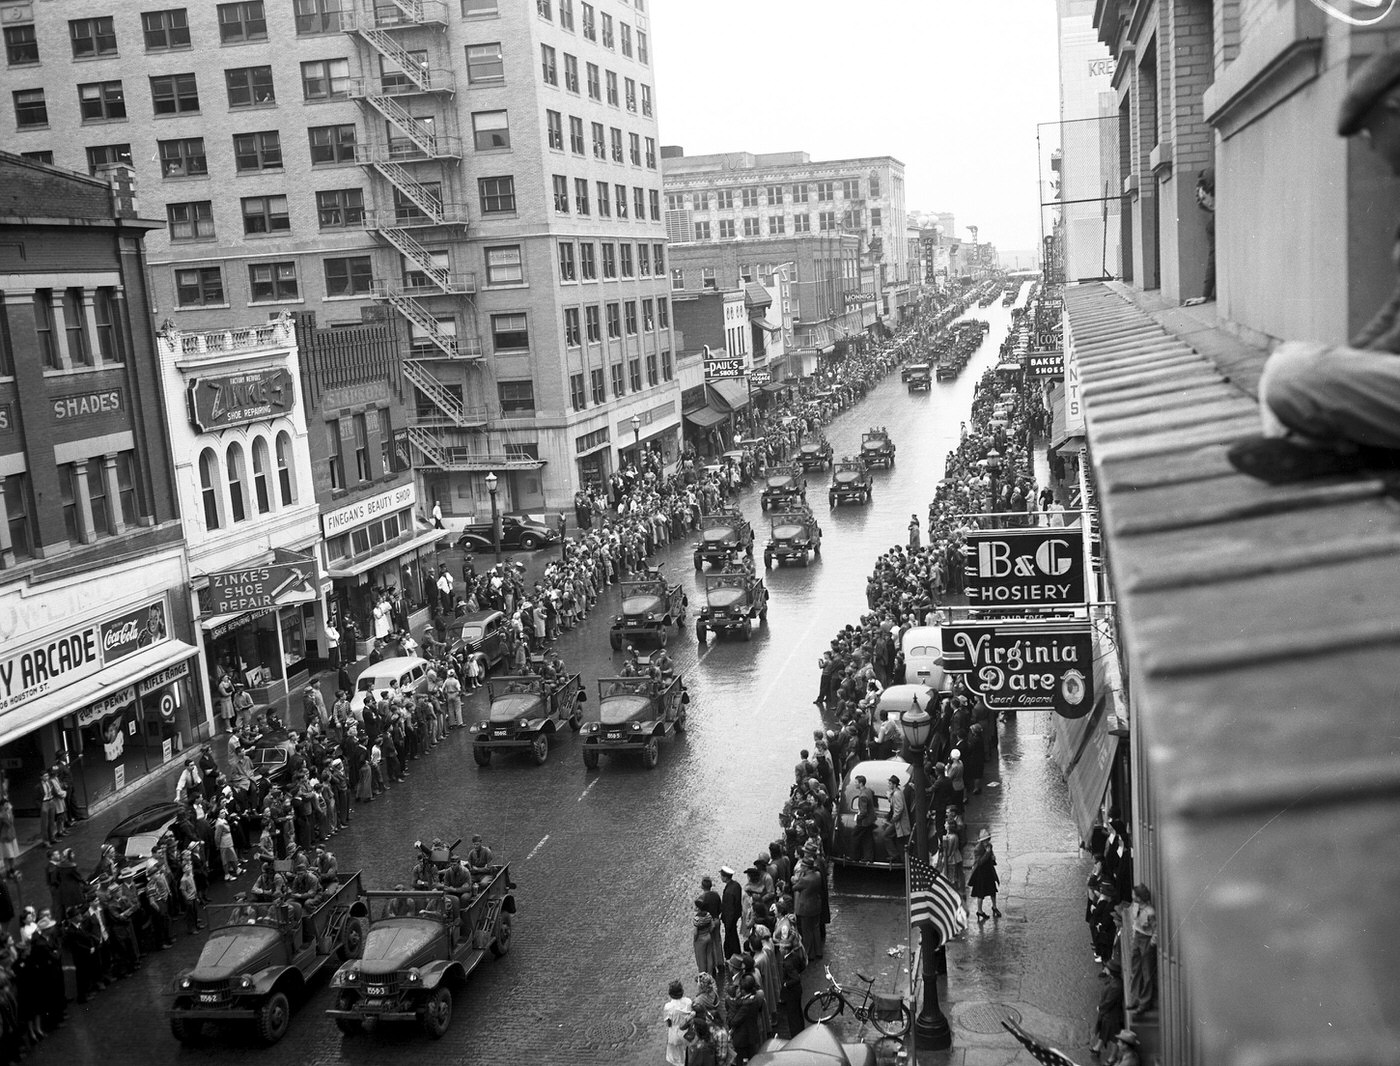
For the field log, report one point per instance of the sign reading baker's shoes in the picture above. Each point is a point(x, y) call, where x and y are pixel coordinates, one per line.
point(1025, 666)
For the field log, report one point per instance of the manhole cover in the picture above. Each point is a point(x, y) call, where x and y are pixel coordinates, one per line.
point(987, 1017)
point(609, 1034)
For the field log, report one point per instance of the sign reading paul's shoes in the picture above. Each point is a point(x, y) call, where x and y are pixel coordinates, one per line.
point(1026, 666)
point(1035, 567)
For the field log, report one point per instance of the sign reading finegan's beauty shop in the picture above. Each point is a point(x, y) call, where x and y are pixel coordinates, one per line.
point(1025, 666)
point(236, 399)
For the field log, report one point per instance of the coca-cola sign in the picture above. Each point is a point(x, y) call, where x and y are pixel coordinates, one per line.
point(128, 633)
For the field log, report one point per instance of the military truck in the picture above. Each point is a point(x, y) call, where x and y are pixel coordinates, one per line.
point(422, 944)
point(723, 536)
point(796, 537)
point(920, 378)
point(850, 483)
point(784, 487)
point(734, 600)
point(650, 607)
point(813, 455)
point(634, 713)
point(259, 958)
point(877, 449)
point(527, 711)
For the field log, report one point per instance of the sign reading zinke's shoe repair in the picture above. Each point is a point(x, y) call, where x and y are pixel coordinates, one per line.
point(1024, 667)
point(1025, 567)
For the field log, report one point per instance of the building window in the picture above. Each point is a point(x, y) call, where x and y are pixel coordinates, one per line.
point(362, 470)
point(702, 231)
point(272, 281)
point(609, 259)
point(615, 372)
point(504, 265)
point(653, 204)
point(286, 476)
point(595, 385)
point(612, 87)
point(651, 371)
point(595, 85)
point(554, 124)
point(576, 141)
point(615, 135)
point(407, 211)
point(101, 101)
point(566, 261)
point(17, 513)
point(646, 100)
point(348, 276)
point(629, 315)
point(667, 370)
point(677, 278)
point(497, 195)
point(106, 154)
point(643, 56)
point(634, 146)
point(174, 94)
point(629, 94)
point(634, 374)
point(509, 332)
point(850, 188)
point(587, 264)
point(571, 73)
point(250, 87)
point(590, 28)
point(578, 398)
point(826, 191)
point(199, 287)
point(21, 46)
point(183, 158)
point(799, 193)
point(726, 228)
point(93, 37)
point(265, 214)
point(573, 332)
point(165, 30)
point(490, 129)
point(593, 324)
point(192, 221)
point(261, 497)
point(657, 258)
point(31, 112)
point(44, 329)
point(566, 14)
point(707, 278)
point(651, 153)
point(561, 194)
point(386, 441)
point(485, 63)
point(581, 196)
point(614, 321)
point(317, 16)
point(242, 22)
point(517, 397)
point(336, 460)
point(775, 225)
point(237, 480)
point(325, 79)
point(876, 218)
point(621, 197)
point(208, 488)
point(826, 220)
point(748, 196)
point(648, 317)
point(607, 31)
point(802, 223)
point(639, 203)
point(332, 144)
point(340, 208)
point(107, 318)
point(548, 65)
point(257, 151)
point(753, 227)
point(724, 199)
point(625, 33)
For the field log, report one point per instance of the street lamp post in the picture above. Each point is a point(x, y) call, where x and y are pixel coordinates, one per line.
point(931, 1029)
point(637, 440)
point(492, 481)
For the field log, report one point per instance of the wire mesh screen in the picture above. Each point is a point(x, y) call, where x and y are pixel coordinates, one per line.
point(1081, 198)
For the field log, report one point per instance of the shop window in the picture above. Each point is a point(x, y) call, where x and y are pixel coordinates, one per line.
point(359, 540)
point(293, 640)
point(98, 504)
point(127, 487)
point(18, 514)
point(208, 488)
point(260, 492)
point(238, 501)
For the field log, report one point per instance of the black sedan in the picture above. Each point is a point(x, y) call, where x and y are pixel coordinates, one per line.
point(516, 533)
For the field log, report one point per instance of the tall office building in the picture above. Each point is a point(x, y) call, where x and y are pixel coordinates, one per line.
point(1088, 216)
point(481, 173)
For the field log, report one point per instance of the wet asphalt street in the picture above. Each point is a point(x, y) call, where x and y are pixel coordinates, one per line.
point(607, 861)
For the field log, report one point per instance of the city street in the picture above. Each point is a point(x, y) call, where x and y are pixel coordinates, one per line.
point(608, 861)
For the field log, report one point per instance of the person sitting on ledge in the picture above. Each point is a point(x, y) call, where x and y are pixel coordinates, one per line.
point(1330, 410)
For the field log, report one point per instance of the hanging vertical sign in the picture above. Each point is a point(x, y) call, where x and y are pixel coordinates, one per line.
point(1074, 400)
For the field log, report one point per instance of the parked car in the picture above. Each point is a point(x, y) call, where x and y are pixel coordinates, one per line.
point(134, 837)
point(734, 600)
point(410, 671)
point(877, 773)
point(516, 533)
point(525, 712)
point(922, 648)
point(634, 713)
point(481, 633)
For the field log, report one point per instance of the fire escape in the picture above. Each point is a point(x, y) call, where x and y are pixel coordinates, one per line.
point(414, 163)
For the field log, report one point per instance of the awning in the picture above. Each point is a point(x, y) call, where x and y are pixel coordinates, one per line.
point(1057, 417)
point(70, 698)
point(705, 417)
point(355, 567)
point(1088, 776)
point(777, 386)
point(755, 295)
point(733, 394)
point(766, 325)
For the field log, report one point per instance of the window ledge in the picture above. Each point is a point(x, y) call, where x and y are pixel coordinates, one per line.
point(1283, 54)
point(1160, 160)
point(204, 307)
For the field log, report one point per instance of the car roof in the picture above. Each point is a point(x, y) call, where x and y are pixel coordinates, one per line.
point(898, 697)
point(477, 616)
point(397, 665)
point(923, 635)
point(143, 821)
point(879, 771)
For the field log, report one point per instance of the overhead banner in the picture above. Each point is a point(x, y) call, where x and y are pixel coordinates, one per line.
point(1034, 567)
point(1024, 666)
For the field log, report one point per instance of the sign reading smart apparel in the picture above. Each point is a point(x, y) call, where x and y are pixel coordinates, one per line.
point(1025, 667)
point(1025, 567)
point(236, 399)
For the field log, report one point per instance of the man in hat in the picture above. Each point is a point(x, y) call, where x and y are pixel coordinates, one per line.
point(807, 899)
point(731, 909)
point(1127, 1042)
point(1328, 410)
point(897, 830)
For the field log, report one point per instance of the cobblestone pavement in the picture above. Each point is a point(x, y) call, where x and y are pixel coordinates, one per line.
point(608, 861)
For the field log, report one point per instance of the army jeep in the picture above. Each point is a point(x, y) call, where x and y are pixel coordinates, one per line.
point(850, 483)
point(877, 449)
point(722, 537)
point(734, 600)
point(796, 537)
point(813, 455)
point(634, 713)
point(526, 712)
point(650, 607)
point(784, 487)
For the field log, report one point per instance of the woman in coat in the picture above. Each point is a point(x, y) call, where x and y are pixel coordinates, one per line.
point(745, 1020)
point(707, 958)
point(983, 880)
point(950, 859)
point(1108, 1019)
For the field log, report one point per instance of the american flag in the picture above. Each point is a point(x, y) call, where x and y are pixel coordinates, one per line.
point(1043, 1053)
point(933, 901)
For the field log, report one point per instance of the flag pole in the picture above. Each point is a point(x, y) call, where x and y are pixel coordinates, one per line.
point(913, 968)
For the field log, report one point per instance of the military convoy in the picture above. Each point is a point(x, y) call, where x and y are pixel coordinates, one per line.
point(650, 607)
point(634, 713)
point(850, 483)
point(814, 455)
point(876, 448)
point(784, 487)
point(734, 600)
point(525, 713)
point(796, 538)
point(723, 537)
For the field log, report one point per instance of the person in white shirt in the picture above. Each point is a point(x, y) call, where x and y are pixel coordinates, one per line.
point(677, 1013)
point(437, 515)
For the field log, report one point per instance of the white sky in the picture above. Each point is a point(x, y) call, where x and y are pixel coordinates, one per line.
point(953, 88)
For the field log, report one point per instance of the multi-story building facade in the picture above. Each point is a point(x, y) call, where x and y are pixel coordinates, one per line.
point(743, 196)
point(482, 174)
point(96, 636)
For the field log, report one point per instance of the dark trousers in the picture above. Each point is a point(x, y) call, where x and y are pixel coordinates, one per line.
point(731, 939)
point(865, 842)
point(791, 1009)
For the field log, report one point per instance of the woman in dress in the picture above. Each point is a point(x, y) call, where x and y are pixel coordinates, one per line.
point(9, 842)
point(707, 959)
point(950, 858)
point(984, 880)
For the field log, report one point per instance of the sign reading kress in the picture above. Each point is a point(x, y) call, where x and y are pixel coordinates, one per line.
point(1026, 667)
point(236, 399)
point(1025, 567)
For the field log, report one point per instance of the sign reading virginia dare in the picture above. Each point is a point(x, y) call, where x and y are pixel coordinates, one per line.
point(1025, 666)
point(236, 399)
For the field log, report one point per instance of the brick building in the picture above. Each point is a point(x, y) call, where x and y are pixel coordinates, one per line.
point(481, 175)
point(96, 636)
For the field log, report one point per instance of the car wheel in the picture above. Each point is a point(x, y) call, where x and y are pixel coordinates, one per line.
point(501, 943)
point(437, 1012)
point(187, 1031)
point(352, 938)
point(747, 631)
point(274, 1015)
point(348, 1026)
point(615, 640)
point(529, 542)
point(576, 722)
point(590, 757)
point(539, 748)
point(651, 754)
point(481, 754)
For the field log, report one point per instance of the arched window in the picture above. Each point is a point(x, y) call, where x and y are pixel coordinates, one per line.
point(208, 490)
point(238, 501)
point(286, 475)
point(260, 493)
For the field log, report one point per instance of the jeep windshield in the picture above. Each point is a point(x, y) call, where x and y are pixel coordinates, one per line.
point(781, 481)
point(404, 931)
point(846, 477)
point(788, 531)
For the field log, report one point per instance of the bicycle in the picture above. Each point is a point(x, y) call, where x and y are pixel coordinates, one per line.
point(833, 1000)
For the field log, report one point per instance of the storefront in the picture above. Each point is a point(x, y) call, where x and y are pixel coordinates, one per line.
point(593, 454)
point(117, 692)
point(655, 430)
point(375, 547)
